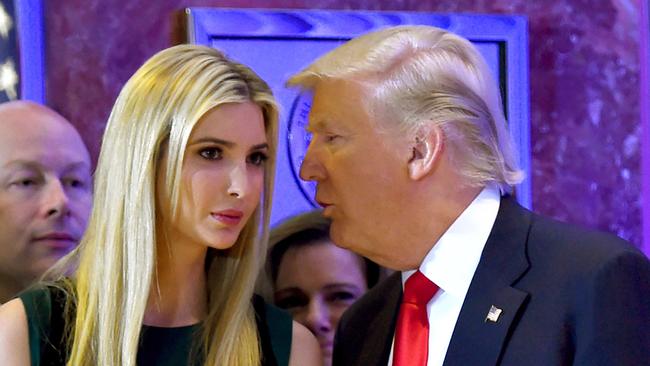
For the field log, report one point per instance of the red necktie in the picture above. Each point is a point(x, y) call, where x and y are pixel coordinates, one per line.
point(412, 331)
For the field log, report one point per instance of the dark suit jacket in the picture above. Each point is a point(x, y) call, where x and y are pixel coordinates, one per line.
point(568, 297)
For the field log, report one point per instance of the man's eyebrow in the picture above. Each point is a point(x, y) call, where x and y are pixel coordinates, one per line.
point(77, 165)
point(319, 124)
point(31, 164)
point(21, 163)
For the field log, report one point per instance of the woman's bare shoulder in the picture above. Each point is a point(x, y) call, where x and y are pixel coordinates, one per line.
point(14, 334)
point(304, 347)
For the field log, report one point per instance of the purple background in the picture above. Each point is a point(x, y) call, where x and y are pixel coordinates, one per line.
point(586, 129)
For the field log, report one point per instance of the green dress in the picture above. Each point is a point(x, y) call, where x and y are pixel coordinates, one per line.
point(158, 345)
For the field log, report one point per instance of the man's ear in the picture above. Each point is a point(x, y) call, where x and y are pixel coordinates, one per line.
point(426, 150)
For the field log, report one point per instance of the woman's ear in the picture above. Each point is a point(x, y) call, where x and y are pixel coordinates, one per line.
point(426, 150)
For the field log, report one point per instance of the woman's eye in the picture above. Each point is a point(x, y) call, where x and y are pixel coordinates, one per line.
point(257, 158)
point(211, 153)
point(290, 302)
point(342, 296)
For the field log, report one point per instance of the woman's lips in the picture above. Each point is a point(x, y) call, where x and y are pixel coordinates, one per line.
point(228, 217)
point(326, 347)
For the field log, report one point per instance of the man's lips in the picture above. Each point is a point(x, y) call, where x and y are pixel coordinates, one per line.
point(57, 240)
point(228, 217)
point(323, 204)
point(327, 207)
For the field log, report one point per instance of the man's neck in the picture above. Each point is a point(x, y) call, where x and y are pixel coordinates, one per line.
point(440, 216)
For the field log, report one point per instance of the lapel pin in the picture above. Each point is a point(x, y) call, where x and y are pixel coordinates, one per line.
point(493, 314)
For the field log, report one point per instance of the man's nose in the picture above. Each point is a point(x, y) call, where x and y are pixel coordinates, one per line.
point(56, 202)
point(311, 168)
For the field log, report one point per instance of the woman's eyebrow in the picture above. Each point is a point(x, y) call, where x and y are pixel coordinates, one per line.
point(213, 140)
point(341, 285)
point(226, 143)
point(260, 146)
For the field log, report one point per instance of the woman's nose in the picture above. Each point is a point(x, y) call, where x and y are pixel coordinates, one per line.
point(238, 181)
point(318, 319)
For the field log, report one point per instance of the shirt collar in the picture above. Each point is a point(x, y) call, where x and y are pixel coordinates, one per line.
point(452, 261)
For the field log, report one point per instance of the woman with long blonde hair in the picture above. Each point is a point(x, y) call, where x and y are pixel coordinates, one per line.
point(165, 272)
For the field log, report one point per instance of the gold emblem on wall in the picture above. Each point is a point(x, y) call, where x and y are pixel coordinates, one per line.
point(8, 79)
point(5, 22)
point(8, 75)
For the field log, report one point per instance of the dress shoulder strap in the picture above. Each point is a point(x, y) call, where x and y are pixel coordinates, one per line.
point(275, 328)
point(44, 307)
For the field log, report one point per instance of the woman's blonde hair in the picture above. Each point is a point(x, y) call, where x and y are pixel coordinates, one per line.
point(154, 115)
point(419, 76)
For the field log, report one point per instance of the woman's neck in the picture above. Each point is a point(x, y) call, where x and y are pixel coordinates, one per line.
point(178, 294)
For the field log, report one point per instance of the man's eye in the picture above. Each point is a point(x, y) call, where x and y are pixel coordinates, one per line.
point(210, 153)
point(330, 138)
point(258, 158)
point(75, 183)
point(26, 182)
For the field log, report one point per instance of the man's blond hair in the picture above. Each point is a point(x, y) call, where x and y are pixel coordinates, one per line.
point(421, 76)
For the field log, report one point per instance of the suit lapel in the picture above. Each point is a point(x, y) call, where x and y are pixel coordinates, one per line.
point(478, 339)
point(380, 333)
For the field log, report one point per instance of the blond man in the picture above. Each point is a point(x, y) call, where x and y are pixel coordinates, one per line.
point(414, 165)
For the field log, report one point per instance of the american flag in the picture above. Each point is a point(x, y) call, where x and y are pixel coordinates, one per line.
point(9, 58)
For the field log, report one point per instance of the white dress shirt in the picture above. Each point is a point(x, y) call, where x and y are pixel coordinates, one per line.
point(451, 264)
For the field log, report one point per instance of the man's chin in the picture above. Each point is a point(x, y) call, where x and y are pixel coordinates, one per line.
point(342, 236)
point(338, 238)
point(41, 265)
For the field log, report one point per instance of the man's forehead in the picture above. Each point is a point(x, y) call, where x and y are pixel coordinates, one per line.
point(33, 142)
point(17, 133)
point(23, 120)
point(339, 89)
point(28, 129)
point(335, 102)
point(324, 119)
point(33, 160)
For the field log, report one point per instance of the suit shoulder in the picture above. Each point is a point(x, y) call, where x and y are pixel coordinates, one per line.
point(366, 328)
point(374, 300)
point(551, 238)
